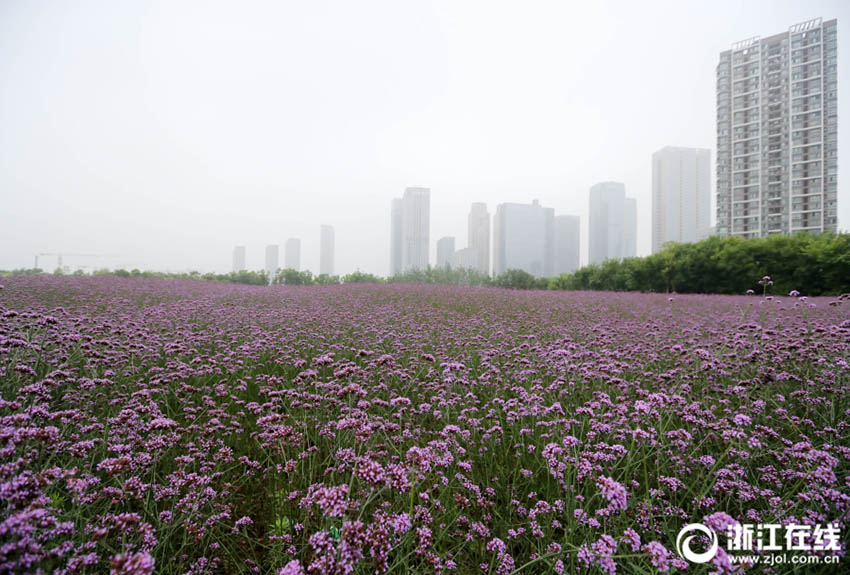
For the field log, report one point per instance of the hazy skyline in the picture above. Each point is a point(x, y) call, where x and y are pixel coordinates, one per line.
point(170, 132)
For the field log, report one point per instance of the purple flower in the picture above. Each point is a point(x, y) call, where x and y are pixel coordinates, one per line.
point(659, 556)
point(291, 568)
point(132, 564)
point(631, 537)
point(614, 492)
point(742, 420)
point(720, 521)
point(603, 550)
point(159, 401)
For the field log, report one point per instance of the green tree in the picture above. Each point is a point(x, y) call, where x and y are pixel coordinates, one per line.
point(812, 264)
point(326, 279)
point(359, 277)
point(516, 279)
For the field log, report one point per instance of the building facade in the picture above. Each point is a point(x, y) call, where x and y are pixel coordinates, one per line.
point(465, 259)
point(292, 254)
point(478, 228)
point(681, 195)
point(446, 252)
point(416, 226)
point(272, 259)
point(238, 258)
point(777, 134)
point(629, 228)
point(326, 250)
point(524, 239)
point(612, 223)
point(410, 222)
point(567, 244)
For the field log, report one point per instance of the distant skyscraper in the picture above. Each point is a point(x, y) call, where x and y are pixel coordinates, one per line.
point(326, 250)
point(446, 252)
point(410, 231)
point(416, 229)
point(567, 244)
point(396, 221)
point(777, 134)
point(681, 195)
point(629, 228)
point(612, 223)
point(465, 259)
point(524, 239)
point(272, 255)
point(479, 236)
point(292, 256)
point(238, 258)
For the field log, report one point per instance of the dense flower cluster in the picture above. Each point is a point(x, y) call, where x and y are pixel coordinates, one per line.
point(180, 427)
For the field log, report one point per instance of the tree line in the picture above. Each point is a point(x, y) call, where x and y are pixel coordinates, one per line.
point(249, 277)
point(812, 264)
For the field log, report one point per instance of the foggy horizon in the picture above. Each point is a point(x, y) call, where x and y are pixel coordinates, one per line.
point(167, 134)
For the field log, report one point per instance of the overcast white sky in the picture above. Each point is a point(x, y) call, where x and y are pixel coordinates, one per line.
point(167, 132)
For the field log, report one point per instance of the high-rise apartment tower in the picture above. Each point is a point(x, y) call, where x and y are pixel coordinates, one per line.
point(410, 224)
point(478, 224)
point(292, 254)
point(524, 239)
point(326, 250)
point(777, 138)
point(238, 258)
point(681, 195)
point(567, 244)
point(272, 259)
point(612, 223)
point(446, 252)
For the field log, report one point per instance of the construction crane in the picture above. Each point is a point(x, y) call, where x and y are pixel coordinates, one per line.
point(59, 257)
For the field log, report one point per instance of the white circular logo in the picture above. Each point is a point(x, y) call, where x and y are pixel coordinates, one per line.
point(683, 546)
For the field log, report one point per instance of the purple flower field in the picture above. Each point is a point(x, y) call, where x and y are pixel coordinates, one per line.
point(157, 426)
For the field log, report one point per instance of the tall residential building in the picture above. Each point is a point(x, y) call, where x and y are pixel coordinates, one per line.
point(567, 244)
point(410, 231)
point(465, 259)
point(777, 134)
point(446, 252)
point(612, 225)
point(681, 195)
point(292, 254)
point(238, 258)
point(326, 250)
point(272, 259)
point(479, 236)
point(629, 228)
point(524, 239)
point(416, 229)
